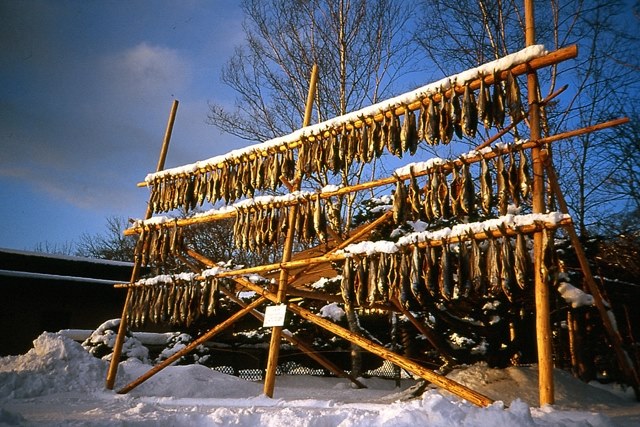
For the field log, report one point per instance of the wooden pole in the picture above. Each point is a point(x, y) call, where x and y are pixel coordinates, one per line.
point(427, 374)
point(614, 335)
point(276, 331)
point(201, 340)
point(543, 311)
point(117, 347)
point(306, 348)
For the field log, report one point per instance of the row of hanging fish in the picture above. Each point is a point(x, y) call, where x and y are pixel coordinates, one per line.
point(335, 151)
point(454, 195)
point(229, 183)
point(259, 226)
point(176, 301)
point(418, 275)
point(156, 244)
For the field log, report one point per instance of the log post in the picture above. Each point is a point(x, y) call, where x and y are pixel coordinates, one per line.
point(276, 331)
point(122, 328)
point(543, 311)
point(605, 313)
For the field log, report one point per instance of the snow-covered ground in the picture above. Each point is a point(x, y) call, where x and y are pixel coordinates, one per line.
point(58, 383)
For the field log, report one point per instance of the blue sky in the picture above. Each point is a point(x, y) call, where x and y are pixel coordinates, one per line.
point(85, 91)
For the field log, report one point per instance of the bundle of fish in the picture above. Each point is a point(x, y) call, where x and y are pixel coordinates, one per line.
point(258, 226)
point(228, 183)
point(156, 244)
point(417, 276)
point(441, 197)
point(178, 302)
point(335, 150)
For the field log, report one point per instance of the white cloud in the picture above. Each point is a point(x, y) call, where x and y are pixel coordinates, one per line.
point(147, 70)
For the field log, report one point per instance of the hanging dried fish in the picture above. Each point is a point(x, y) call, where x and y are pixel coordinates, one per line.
point(372, 280)
point(428, 200)
point(361, 283)
point(464, 284)
point(497, 103)
point(408, 131)
point(320, 220)
point(513, 98)
point(418, 287)
point(486, 187)
point(522, 261)
point(430, 270)
point(405, 290)
point(455, 192)
point(394, 135)
point(456, 112)
point(347, 282)
point(469, 112)
point(435, 188)
point(432, 124)
point(376, 138)
point(514, 184)
point(422, 122)
point(468, 192)
point(502, 180)
point(443, 196)
point(524, 177)
point(507, 275)
point(382, 279)
point(493, 265)
point(485, 107)
point(212, 303)
point(399, 201)
point(445, 120)
point(446, 283)
point(414, 196)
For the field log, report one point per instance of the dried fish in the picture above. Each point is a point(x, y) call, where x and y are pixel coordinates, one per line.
point(469, 112)
point(514, 185)
point(399, 201)
point(464, 273)
point(445, 121)
point(522, 262)
point(524, 177)
point(485, 107)
point(418, 287)
point(502, 180)
point(507, 275)
point(430, 270)
point(493, 265)
point(347, 282)
point(445, 282)
point(468, 192)
point(455, 192)
point(373, 294)
point(361, 283)
point(443, 196)
point(513, 98)
point(414, 196)
point(382, 279)
point(497, 103)
point(456, 112)
point(432, 124)
point(320, 220)
point(405, 290)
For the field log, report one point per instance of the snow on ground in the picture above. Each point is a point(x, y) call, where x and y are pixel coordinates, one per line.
point(58, 383)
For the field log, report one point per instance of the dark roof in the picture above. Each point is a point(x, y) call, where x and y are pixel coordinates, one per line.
point(38, 265)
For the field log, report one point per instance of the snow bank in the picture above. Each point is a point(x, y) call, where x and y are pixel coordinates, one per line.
point(55, 364)
point(58, 383)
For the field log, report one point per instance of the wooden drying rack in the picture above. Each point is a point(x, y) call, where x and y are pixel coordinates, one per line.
point(541, 162)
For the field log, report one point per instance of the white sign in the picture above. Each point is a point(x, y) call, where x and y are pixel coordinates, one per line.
point(274, 315)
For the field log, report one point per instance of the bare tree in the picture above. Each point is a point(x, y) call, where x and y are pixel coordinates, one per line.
point(112, 244)
point(361, 48)
point(603, 81)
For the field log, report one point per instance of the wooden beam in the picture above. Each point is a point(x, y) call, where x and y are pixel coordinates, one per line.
point(201, 340)
point(427, 374)
point(122, 328)
point(543, 311)
point(612, 332)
